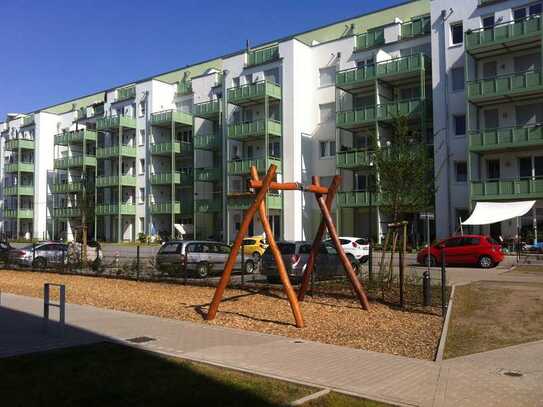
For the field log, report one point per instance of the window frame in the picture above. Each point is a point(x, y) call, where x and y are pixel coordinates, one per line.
point(451, 31)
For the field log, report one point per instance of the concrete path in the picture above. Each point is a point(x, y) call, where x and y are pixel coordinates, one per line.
point(476, 380)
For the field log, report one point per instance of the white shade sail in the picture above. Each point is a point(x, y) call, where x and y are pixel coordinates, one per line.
point(486, 213)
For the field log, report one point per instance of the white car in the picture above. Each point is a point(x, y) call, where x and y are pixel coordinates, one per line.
point(356, 247)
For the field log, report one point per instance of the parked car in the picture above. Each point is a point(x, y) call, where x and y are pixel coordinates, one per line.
point(198, 256)
point(295, 255)
point(354, 247)
point(5, 248)
point(40, 255)
point(476, 250)
point(255, 247)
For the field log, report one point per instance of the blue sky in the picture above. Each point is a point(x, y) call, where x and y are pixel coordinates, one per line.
point(53, 50)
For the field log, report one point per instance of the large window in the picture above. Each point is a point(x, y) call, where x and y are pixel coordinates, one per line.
point(457, 79)
point(531, 10)
point(457, 33)
point(493, 169)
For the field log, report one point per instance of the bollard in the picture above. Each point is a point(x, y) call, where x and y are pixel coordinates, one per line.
point(427, 289)
point(138, 263)
point(443, 285)
point(243, 263)
point(61, 305)
point(370, 261)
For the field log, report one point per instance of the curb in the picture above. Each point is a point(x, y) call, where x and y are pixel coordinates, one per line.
point(445, 330)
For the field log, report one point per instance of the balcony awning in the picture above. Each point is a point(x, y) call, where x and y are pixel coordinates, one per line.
point(486, 213)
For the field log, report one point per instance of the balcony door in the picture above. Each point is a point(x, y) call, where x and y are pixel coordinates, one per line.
point(493, 169)
point(491, 119)
point(529, 115)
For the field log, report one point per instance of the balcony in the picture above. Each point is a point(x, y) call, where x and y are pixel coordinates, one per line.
point(28, 120)
point(254, 130)
point(115, 151)
point(71, 212)
point(504, 37)
point(370, 39)
point(169, 148)
point(167, 117)
point(66, 187)
point(514, 189)
point(207, 142)
point(207, 110)
point(115, 122)
point(165, 208)
point(243, 167)
point(126, 93)
point(208, 174)
point(254, 93)
point(115, 209)
point(19, 190)
point(505, 87)
point(416, 27)
point(74, 137)
point(114, 181)
point(165, 178)
point(19, 213)
point(74, 162)
point(357, 199)
point(353, 159)
point(262, 56)
point(507, 138)
point(384, 112)
point(19, 143)
point(392, 70)
point(207, 205)
point(184, 87)
point(19, 167)
point(243, 201)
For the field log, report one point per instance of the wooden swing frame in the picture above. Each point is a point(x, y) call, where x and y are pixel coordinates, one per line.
point(262, 187)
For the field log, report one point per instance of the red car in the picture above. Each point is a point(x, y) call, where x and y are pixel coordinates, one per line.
point(477, 250)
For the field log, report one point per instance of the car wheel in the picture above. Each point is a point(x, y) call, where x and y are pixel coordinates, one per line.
point(485, 262)
point(39, 263)
point(256, 257)
point(433, 261)
point(202, 270)
point(249, 267)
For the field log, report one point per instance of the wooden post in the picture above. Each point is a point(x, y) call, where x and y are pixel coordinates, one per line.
point(249, 215)
point(357, 286)
point(289, 291)
point(318, 237)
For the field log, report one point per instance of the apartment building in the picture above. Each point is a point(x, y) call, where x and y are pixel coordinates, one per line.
point(170, 155)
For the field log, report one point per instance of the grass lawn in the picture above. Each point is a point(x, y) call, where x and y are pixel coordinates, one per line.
point(528, 269)
point(108, 374)
point(489, 315)
point(342, 400)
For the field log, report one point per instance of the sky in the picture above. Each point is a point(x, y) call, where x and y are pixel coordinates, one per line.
point(53, 51)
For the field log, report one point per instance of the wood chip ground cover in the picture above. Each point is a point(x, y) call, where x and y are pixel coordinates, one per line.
point(328, 320)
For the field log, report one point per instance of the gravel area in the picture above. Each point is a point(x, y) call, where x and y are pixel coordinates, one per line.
point(328, 320)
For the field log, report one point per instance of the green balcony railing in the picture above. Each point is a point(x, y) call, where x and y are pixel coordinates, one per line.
point(254, 92)
point(396, 67)
point(114, 180)
point(207, 205)
point(262, 56)
point(184, 87)
point(19, 143)
point(28, 120)
point(66, 187)
point(19, 167)
point(73, 137)
point(506, 138)
point(254, 129)
point(74, 162)
point(207, 174)
point(207, 142)
point(353, 159)
point(19, 213)
point(239, 167)
point(115, 151)
point(507, 189)
point(505, 85)
point(243, 201)
point(166, 117)
point(69, 212)
point(114, 122)
point(416, 27)
point(207, 109)
point(370, 39)
point(128, 92)
point(357, 199)
point(165, 208)
point(114, 209)
point(19, 190)
point(503, 34)
point(168, 148)
point(165, 178)
point(382, 112)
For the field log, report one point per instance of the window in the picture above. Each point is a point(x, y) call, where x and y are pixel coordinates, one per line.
point(235, 82)
point(493, 169)
point(142, 166)
point(141, 198)
point(364, 62)
point(529, 115)
point(272, 75)
point(457, 79)
point(457, 33)
point(490, 69)
point(470, 241)
point(532, 10)
point(525, 167)
point(538, 166)
point(141, 109)
point(327, 112)
point(327, 76)
point(460, 125)
point(461, 171)
point(141, 140)
point(454, 242)
point(488, 21)
point(170, 248)
point(527, 63)
point(323, 148)
point(327, 149)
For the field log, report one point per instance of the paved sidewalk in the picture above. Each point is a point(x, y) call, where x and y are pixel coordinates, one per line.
point(472, 380)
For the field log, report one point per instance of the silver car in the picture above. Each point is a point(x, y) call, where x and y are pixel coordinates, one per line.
point(199, 257)
point(40, 255)
point(295, 256)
